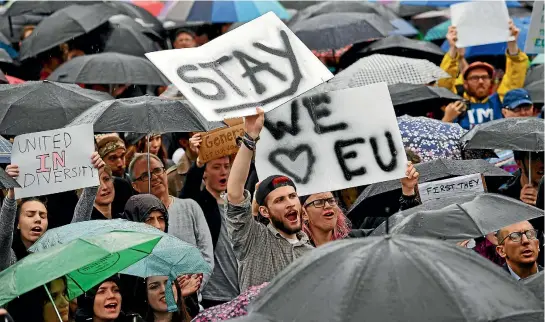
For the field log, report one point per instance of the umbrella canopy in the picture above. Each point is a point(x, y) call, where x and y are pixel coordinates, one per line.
point(44, 8)
point(7, 182)
point(448, 3)
point(535, 284)
point(518, 133)
point(376, 279)
point(234, 308)
point(538, 60)
point(407, 11)
point(420, 99)
point(221, 11)
point(109, 68)
point(434, 204)
point(64, 25)
point(29, 107)
point(535, 90)
point(337, 30)
point(12, 27)
point(431, 139)
point(5, 58)
point(405, 47)
point(382, 198)
point(390, 69)
point(125, 39)
point(437, 32)
point(128, 22)
point(402, 27)
point(170, 257)
point(485, 214)
point(139, 14)
point(144, 114)
point(85, 262)
point(534, 74)
point(427, 20)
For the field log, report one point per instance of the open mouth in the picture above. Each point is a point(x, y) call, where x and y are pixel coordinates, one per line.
point(292, 216)
point(223, 181)
point(37, 229)
point(329, 214)
point(111, 306)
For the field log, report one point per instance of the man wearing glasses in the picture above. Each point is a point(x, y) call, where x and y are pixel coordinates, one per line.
point(519, 245)
point(480, 103)
point(518, 103)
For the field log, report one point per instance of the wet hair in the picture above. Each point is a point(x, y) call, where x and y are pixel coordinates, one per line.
point(17, 245)
point(137, 158)
point(108, 170)
point(140, 147)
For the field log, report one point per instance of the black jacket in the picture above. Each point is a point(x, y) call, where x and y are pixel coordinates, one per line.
point(513, 187)
point(207, 202)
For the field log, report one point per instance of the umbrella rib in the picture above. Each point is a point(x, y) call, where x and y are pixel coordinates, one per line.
point(472, 219)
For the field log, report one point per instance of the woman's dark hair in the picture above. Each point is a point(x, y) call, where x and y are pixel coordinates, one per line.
point(29, 306)
point(140, 147)
point(17, 245)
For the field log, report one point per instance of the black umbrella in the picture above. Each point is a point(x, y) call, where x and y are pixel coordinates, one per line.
point(125, 39)
point(382, 199)
point(3, 79)
point(141, 15)
point(413, 98)
point(485, 214)
point(109, 68)
point(64, 25)
point(144, 114)
point(401, 46)
point(396, 279)
point(136, 26)
point(407, 11)
point(534, 74)
point(535, 90)
point(44, 105)
point(7, 182)
point(43, 8)
point(518, 133)
point(327, 7)
point(337, 30)
point(535, 284)
point(12, 27)
point(434, 204)
point(5, 58)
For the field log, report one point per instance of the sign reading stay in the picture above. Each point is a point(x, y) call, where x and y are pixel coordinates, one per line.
point(332, 141)
point(221, 142)
point(54, 161)
point(449, 187)
point(261, 63)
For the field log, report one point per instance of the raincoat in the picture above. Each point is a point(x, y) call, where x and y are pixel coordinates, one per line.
point(490, 108)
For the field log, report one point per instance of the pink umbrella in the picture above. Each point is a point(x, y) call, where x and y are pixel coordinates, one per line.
point(232, 309)
point(14, 80)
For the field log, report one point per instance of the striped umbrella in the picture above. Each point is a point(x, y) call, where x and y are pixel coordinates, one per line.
point(220, 11)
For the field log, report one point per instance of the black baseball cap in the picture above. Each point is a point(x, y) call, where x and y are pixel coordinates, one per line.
point(269, 184)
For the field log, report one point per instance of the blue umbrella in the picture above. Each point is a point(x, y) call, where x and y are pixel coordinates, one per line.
point(403, 28)
point(522, 23)
point(220, 11)
point(441, 3)
point(431, 139)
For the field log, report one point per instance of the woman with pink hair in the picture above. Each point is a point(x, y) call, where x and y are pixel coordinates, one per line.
point(324, 220)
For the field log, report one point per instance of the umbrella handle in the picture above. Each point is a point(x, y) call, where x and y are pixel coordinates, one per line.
point(149, 170)
point(53, 303)
point(169, 296)
point(530, 167)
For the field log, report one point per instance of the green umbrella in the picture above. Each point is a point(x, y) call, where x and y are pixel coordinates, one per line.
point(438, 32)
point(85, 262)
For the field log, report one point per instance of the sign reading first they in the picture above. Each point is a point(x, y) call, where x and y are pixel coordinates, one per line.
point(54, 161)
point(261, 63)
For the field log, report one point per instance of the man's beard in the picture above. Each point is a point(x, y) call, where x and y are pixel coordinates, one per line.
point(280, 225)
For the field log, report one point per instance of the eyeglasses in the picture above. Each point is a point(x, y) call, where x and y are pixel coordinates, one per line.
point(320, 203)
point(477, 77)
point(521, 108)
point(516, 236)
point(157, 172)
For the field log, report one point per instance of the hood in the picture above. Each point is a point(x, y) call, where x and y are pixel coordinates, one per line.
point(140, 206)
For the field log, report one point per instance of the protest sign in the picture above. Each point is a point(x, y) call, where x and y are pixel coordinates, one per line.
point(332, 141)
point(534, 39)
point(458, 185)
point(261, 63)
point(480, 22)
point(221, 142)
point(54, 161)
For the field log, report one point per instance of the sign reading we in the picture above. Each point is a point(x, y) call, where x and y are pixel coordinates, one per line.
point(261, 63)
point(332, 141)
point(54, 161)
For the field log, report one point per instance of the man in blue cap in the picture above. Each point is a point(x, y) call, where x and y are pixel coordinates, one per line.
point(517, 103)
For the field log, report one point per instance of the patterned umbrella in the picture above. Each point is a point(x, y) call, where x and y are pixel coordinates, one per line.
point(431, 139)
point(220, 11)
point(390, 69)
point(232, 309)
point(437, 32)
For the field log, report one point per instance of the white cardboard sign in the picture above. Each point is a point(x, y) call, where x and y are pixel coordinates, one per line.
point(54, 161)
point(332, 141)
point(534, 38)
point(458, 185)
point(261, 63)
point(480, 22)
